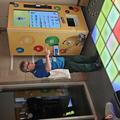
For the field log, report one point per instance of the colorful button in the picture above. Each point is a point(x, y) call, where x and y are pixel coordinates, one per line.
point(52, 40)
point(19, 50)
point(38, 48)
point(58, 8)
point(62, 51)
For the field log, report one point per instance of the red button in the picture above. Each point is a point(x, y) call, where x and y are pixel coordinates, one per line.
point(38, 48)
point(63, 51)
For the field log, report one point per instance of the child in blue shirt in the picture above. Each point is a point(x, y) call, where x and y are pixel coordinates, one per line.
point(42, 67)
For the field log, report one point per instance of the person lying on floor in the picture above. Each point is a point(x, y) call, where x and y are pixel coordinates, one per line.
point(42, 67)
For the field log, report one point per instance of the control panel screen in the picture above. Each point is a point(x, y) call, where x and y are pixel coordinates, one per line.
point(36, 19)
point(44, 19)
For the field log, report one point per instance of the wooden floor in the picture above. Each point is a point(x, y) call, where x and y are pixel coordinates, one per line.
point(8, 76)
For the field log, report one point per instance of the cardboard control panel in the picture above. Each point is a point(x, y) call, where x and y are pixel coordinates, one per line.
point(32, 27)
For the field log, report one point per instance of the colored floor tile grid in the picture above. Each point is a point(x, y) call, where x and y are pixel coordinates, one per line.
point(106, 36)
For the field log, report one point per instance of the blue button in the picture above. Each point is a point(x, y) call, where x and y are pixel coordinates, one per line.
point(19, 50)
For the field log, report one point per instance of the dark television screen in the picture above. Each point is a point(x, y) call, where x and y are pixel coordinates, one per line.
point(73, 103)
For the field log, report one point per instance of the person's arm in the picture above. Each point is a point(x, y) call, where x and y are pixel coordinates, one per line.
point(48, 63)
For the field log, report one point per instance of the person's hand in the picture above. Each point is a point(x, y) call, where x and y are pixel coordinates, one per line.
point(48, 63)
point(47, 52)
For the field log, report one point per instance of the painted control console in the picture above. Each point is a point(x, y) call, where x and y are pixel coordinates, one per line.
point(32, 27)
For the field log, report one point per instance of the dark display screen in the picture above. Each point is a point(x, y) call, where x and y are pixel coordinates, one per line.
point(54, 102)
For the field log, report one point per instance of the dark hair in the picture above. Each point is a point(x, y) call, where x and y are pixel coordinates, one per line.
point(22, 67)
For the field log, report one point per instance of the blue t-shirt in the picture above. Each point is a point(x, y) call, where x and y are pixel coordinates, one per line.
point(57, 63)
point(39, 71)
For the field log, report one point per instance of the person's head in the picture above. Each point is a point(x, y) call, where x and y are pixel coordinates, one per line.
point(27, 66)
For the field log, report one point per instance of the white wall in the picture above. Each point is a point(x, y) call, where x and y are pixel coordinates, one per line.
point(4, 7)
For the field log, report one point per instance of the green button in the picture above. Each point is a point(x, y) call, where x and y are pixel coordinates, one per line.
point(58, 8)
point(52, 40)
